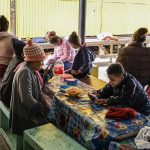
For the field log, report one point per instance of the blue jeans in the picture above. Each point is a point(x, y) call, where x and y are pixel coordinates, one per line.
point(67, 65)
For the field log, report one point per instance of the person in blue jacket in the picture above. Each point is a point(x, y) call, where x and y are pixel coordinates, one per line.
point(123, 90)
point(82, 64)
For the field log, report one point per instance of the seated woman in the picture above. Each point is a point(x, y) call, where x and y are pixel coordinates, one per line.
point(82, 64)
point(62, 51)
point(28, 107)
point(122, 90)
point(135, 58)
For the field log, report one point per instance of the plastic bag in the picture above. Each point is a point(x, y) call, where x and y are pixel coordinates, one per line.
point(142, 140)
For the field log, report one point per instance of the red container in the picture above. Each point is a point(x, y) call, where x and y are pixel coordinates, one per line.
point(58, 70)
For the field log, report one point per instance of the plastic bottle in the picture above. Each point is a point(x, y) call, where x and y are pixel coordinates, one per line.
point(58, 68)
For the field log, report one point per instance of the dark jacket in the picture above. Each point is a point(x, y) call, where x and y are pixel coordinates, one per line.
point(135, 59)
point(6, 85)
point(129, 93)
point(82, 61)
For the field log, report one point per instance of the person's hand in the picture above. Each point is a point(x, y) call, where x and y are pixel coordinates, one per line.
point(75, 72)
point(51, 61)
point(101, 101)
point(46, 101)
point(92, 97)
point(94, 92)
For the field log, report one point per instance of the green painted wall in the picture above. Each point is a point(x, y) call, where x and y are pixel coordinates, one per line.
point(39, 16)
point(125, 16)
point(36, 17)
point(5, 8)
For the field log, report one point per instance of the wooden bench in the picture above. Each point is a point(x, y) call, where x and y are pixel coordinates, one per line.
point(49, 137)
point(94, 71)
point(15, 142)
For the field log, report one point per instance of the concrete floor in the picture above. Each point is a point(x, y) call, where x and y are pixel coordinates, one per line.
point(102, 74)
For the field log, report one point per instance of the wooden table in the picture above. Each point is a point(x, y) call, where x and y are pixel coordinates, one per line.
point(94, 82)
point(94, 42)
point(100, 43)
point(85, 121)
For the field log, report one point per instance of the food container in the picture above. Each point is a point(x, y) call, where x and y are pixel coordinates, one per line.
point(66, 76)
point(72, 82)
point(63, 88)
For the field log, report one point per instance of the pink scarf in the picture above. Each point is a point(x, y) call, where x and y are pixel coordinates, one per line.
point(39, 78)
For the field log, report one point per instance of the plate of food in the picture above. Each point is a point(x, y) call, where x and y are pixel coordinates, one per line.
point(74, 91)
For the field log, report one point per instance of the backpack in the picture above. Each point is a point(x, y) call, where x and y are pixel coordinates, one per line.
point(92, 54)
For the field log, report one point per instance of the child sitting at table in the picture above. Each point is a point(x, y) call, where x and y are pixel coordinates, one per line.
point(62, 50)
point(123, 90)
point(82, 64)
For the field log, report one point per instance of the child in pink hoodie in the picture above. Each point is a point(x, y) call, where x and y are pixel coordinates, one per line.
point(62, 51)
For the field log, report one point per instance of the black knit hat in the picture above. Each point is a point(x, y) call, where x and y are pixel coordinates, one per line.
point(18, 47)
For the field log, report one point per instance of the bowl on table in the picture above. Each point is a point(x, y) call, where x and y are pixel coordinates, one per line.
point(66, 76)
point(72, 82)
point(63, 88)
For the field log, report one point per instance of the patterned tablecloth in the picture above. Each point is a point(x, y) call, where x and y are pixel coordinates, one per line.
point(128, 144)
point(85, 121)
